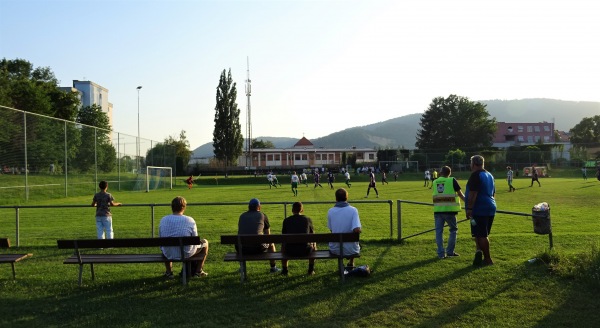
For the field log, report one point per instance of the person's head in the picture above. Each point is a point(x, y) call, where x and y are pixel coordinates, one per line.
point(178, 204)
point(294, 172)
point(254, 204)
point(297, 208)
point(446, 171)
point(103, 185)
point(508, 168)
point(477, 162)
point(341, 195)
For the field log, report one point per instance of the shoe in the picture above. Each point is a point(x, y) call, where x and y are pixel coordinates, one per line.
point(284, 272)
point(478, 258)
point(442, 257)
point(311, 273)
point(377, 196)
point(453, 255)
point(168, 275)
point(202, 273)
point(274, 269)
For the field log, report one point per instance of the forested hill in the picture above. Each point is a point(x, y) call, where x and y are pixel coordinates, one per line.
point(401, 131)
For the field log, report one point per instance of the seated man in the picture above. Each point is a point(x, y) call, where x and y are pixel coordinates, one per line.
point(254, 222)
point(298, 223)
point(179, 225)
point(343, 218)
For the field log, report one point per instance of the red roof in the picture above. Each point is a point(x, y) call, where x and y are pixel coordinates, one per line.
point(303, 143)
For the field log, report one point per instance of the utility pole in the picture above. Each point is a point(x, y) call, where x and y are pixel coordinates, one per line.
point(248, 118)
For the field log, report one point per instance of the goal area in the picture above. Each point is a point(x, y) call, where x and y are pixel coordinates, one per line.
point(159, 177)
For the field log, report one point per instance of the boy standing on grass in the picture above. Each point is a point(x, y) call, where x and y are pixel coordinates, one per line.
point(103, 201)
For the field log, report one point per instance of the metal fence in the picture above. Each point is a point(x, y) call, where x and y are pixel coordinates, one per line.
point(43, 157)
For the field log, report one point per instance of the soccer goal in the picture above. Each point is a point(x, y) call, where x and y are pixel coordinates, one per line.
point(158, 177)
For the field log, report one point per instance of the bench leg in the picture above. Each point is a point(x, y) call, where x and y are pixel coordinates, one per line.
point(242, 271)
point(80, 273)
point(341, 268)
point(13, 270)
point(184, 272)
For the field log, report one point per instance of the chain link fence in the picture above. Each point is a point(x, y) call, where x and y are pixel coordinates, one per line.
point(43, 158)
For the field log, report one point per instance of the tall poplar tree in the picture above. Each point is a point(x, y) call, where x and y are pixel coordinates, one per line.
point(227, 136)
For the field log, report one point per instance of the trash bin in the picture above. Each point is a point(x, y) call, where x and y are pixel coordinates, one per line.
point(541, 219)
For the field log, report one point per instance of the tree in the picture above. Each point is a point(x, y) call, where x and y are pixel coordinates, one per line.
point(455, 122)
point(587, 131)
point(95, 138)
point(174, 153)
point(262, 144)
point(227, 136)
point(455, 157)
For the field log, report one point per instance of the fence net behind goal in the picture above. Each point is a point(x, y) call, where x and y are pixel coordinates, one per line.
point(158, 177)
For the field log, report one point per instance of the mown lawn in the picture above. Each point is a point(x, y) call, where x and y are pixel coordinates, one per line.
point(409, 285)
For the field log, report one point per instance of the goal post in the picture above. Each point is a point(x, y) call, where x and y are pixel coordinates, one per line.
point(158, 175)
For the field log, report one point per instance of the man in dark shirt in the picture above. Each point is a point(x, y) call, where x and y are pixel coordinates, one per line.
point(254, 222)
point(298, 223)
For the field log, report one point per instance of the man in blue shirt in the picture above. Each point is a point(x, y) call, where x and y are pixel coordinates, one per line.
point(480, 208)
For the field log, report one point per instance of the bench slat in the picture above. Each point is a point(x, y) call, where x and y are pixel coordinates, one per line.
point(123, 258)
point(10, 258)
point(290, 238)
point(127, 242)
point(277, 256)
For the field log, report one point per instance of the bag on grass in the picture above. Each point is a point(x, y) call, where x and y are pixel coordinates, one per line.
point(360, 271)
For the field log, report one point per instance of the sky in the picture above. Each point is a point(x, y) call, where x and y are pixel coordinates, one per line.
point(316, 67)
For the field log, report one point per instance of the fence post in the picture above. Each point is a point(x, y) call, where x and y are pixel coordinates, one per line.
point(391, 219)
point(399, 214)
point(152, 220)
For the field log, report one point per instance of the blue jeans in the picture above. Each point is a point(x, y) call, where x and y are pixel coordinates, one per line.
point(104, 223)
point(440, 220)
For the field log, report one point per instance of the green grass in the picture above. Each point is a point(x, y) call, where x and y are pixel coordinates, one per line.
point(408, 287)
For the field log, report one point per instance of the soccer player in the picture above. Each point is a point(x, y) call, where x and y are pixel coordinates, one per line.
point(317, 178)
point(295, 184)
point(190, 181)
point(372, 183)
point(304, 178)
point(509, 179)
point(330, 179)
point(347, 176)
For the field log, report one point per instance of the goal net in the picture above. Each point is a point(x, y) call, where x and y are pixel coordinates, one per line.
point(159, 177)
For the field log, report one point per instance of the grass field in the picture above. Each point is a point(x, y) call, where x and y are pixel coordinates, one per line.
point(409, 285)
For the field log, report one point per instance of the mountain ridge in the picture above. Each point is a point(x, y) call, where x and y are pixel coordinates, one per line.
point(401, 131)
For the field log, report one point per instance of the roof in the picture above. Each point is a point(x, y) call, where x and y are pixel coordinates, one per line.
point(303, 143)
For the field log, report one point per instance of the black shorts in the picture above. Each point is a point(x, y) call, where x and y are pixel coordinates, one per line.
point(483, 227)
point(298, 250)
point(253, 249)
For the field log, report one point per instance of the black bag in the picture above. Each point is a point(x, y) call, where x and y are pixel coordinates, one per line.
point(361, 271)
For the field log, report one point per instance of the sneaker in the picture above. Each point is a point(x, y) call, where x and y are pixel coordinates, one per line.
point(478, 258)
point(274, 269)
point(453, 254)
point(202, 273)
point(311, 273)
point(377, 196)
point(168, 275)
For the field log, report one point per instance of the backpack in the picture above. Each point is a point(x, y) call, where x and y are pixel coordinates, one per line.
point(361, 271)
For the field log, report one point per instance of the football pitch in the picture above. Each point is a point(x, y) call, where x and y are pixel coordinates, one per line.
point(409, 285)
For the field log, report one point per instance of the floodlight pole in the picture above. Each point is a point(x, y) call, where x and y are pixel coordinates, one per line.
point(138, 138)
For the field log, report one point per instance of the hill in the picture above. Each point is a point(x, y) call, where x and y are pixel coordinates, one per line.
point(402, 131)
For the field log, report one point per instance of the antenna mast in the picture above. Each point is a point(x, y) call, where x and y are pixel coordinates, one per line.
point(248, 117)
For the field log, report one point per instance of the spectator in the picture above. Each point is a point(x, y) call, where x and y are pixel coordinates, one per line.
point(103, 201)
point(343, 218)
point(481, 208)
point(179, 225)
point(298, 223)
point(255, 222)
point(446, 205)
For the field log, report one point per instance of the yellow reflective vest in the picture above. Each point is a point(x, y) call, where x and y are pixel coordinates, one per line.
point(445, 198)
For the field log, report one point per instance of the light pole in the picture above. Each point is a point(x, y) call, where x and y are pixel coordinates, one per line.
point(138, 138)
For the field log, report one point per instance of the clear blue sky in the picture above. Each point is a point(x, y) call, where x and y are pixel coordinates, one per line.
point(317, 67)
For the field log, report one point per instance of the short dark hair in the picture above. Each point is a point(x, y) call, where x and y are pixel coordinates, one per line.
point(341, 195)
point(477, 160)
point(446, 171)
point(178, 204)
point(103, 184)
point(297, 207)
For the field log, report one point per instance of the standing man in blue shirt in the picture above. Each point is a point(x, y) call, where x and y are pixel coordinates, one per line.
point(480, 208)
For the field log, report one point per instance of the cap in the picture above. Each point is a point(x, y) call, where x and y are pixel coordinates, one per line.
point(254, 202)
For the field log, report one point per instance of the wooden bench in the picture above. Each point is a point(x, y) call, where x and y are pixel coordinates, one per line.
point(287, 238)
point(11, 258)
point(91, 259)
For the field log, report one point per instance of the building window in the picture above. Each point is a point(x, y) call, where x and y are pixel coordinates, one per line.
point(269, 157)
point(521, 138)
point(529, 128)
point(536, 128)
point(371, 156)
point(546, 128)
point(546, 138)
point(530, 139)
point(297, 157)
point(537, 138)
point(277, 157)
point(520, 128)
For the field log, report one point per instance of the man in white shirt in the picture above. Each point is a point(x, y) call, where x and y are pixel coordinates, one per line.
point(343, 218)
